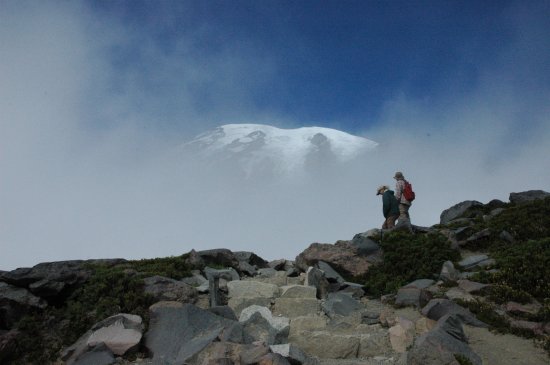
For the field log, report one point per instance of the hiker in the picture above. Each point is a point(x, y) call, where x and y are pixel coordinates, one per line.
point(390, 207)
point(404, 204)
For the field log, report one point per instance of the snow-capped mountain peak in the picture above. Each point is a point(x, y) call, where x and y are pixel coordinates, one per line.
point(255, 145)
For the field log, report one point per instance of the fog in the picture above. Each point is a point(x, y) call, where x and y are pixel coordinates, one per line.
point(91, 164)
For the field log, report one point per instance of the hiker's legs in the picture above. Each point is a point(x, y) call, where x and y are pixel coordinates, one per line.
point(404, 213)
point(389, 222)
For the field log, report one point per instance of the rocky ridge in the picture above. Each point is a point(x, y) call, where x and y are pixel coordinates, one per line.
point(236, 308)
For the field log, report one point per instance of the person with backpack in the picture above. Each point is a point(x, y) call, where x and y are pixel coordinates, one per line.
point(390, 206)
point(404, 195)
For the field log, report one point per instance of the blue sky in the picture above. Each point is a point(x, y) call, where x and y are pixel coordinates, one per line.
point(96, 96)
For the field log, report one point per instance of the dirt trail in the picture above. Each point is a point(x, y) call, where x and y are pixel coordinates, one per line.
point(497, 349)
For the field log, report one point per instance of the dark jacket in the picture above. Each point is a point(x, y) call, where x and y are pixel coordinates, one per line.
point(390, 205)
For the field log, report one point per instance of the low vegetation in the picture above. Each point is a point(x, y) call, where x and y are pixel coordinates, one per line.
point(110, 290)
point(407, 257)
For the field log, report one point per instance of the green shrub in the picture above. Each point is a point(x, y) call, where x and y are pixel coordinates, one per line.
point(524, 222)
point(171, 267)
point(501, 294)
point(462, 360)
point(525, 267)
point(407, 257)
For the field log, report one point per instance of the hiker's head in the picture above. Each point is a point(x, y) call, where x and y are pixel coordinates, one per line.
point(381, 189)
point(399, 176)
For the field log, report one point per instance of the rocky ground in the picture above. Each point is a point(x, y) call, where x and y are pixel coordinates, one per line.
point(235, 308)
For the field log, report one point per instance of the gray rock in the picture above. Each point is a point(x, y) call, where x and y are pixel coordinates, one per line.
point(438, 308)
point(273, 359)
point(54, 278)
point(420, 284)
point(293, 354)
point(528, 196)
point(479, 238)
point(463, 233)
point(166, 289)
point(277, 264)
point(224, 311)
point(316, 278)
point(216, 257)
point(229, 274)
point(99, 355)
point(330, 273)
point(505, 236)
point(260, 325)
point(412, 296)
point(365, 244)
point(353, 289)
point(247, 269)
point(340, 304)
point(16, 302)
point(296, 307)
point(179, 331)
point(472, 261)
point(471, 287)
point(120, 333)
point(448, 272)
point(251, 258)
point(267, 272)
point(252, 289)
point(196, 280)
point(456, 211)
point(440, 345)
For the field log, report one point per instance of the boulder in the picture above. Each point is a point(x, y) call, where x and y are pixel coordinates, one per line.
point(327, 345)
point(472, 261)
point(166, 289)
point(340, 304)
point(239, 303)
point(16, 302)
point(528, 196)
point(224, 311)
point(273, 359)
point(507, 237)
point(267, 272)
point(523, 309)
point(307, 324)
point(402, 335)
point(120, 333)
point(293, 354)
point(229, 274)
point(177, 331)
point(252, 289)
point(442, 344)
point(456, 211)
point(250, 258)
point(298, 291)
point(365, 244)
point(98, 355)
point(195, 280)
point(220, 257)
point(316, 278)
point(296, 307)
point(448, 272)
point(458, 293)
point(411, 296)
point(341, 256)
point(463, 233)
point(534, 327)
point(229, 353)
point(438, 308)
point(331, 274)
point(277, 264)
point(353, 289)
point(479, 238)
point(260, 325)
point(472, 287)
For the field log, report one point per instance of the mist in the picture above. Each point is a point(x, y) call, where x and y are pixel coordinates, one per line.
point(91, 164)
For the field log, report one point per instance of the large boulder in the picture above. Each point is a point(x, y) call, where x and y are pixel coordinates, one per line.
point(221, 353)
point(51, 280)
point(250, 258)
point(259, 324)
point(438, 308)
point(166, 289)
point(365, 244)
point(458, 210)
point(120, 333)
point(414, 294)
point(331, 274)
point(177, 331)
point(442, 345)
point(340, 304)
point(15, 302)
point(341, 256)
point(528, 196)
point(316, 278)
point(98, 355)
point(216, 257)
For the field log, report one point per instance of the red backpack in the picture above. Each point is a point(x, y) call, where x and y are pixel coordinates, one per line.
point(408, 192)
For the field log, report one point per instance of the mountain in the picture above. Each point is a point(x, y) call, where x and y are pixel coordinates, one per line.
point(255, 148)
